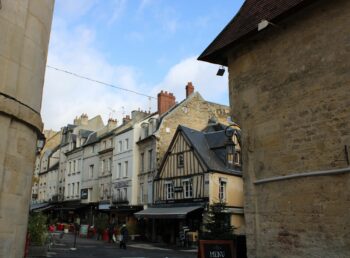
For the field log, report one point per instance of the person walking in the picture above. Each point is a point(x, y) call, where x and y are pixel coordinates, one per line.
point(124, 237)
point(111, 229)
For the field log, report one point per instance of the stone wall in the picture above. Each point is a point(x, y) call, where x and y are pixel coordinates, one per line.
point(290, 89)
point(194, 113)
point(25, 29)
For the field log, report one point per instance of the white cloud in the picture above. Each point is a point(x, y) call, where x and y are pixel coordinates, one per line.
point(66, 96)
point(203, 77)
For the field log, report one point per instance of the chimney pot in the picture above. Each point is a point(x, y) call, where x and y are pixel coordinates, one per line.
point(189, 89)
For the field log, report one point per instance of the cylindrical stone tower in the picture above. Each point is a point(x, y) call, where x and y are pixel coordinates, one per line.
point(25, 27)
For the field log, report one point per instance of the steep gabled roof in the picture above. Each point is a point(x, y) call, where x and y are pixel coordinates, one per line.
point(209, 148)
point(245, 23)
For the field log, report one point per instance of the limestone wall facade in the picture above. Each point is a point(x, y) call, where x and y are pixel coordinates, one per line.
point(25, 29)
point(290, 90)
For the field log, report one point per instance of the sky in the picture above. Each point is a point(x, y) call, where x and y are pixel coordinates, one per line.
point(141, 45)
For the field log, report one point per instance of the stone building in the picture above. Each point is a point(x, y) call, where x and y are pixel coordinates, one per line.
point(288, 65)
point(159, 129)
point(25, 30)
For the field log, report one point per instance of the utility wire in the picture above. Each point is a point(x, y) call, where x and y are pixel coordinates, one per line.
point(99, 82)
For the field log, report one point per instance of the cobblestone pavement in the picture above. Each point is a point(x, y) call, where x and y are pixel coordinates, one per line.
point(62, 248)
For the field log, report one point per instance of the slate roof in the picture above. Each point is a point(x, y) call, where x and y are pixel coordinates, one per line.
point(85, 133)
point(246, 22)
point(91, 139)
point(210, 147)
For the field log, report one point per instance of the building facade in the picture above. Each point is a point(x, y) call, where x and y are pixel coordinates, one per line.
point(289, 88)
point(158, 131)
point(197, 171)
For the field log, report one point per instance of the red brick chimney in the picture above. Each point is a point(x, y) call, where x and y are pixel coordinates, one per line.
point(165, 102)
point(189, 89)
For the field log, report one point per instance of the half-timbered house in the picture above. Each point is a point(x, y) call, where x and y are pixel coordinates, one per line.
point(198, 169)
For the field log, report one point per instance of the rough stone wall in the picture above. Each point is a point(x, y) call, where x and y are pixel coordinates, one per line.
point(193, 113)
point(25, 29)
point(290, 89)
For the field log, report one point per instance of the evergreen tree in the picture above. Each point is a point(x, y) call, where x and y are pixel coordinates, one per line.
point(216, 223)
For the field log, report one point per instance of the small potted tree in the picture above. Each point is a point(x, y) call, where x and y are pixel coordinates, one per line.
point(37, 230)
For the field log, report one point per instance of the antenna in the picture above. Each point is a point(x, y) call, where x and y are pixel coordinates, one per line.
point(112, 114)
point(149, 104)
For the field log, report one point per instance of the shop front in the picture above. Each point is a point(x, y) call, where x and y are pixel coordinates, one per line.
point(172, 224)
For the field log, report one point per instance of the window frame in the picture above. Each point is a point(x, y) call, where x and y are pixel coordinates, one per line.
point(180, 160)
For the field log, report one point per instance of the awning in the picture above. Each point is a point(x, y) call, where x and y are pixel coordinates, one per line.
point(38, 207)
point(167, 213)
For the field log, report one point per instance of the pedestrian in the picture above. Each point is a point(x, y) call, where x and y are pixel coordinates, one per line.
point(124, 237)
point(111, 228)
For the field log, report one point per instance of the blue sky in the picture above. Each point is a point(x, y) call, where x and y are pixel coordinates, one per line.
point(142, 45)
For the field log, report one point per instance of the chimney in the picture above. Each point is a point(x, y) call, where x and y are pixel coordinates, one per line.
point(165, 102)
point(112, 123)
point(189, 89)
point(126, 119)
point(82, 120)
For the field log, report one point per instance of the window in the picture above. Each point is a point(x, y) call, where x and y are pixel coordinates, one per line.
point(93, 149)
point(104, 145)
point(111, 143)
point(126, 144)
point(237, 158)
point(120, 146)
point(102, 189)
point(109, 165)
point(74, 166)
point(142, 162)
point(103, 166)
point(141, 193)
point(150, 159)
point(126, 167)
point(91, 171)
point(119, 170)
point(180, 160)
point(187, 184)
point(230, 151)
point(125, 194)
point(70, 167)
point(73, 189)
point(222, 190)
point(77, 188)
point(169, 191)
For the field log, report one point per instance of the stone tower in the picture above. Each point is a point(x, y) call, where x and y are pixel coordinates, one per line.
point(25, 30)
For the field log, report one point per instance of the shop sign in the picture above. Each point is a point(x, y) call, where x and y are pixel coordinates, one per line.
point(84, 193)
point(178, 189)
point(216, 249)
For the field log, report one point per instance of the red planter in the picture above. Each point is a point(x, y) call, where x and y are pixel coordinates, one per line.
point(105, 236)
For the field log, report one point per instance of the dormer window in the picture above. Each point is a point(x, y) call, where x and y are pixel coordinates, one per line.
point(145, 129)
point(237, 158)
point(230, 155)
point(180, 160)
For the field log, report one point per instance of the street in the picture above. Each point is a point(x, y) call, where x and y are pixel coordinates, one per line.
point(61, 248)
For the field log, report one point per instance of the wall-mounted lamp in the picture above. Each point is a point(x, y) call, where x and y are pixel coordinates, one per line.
point(264, 23)
point(40, 144)
point(221, 71)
